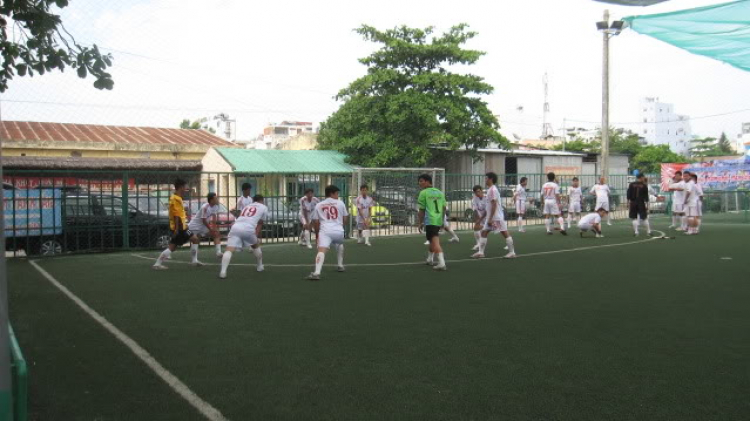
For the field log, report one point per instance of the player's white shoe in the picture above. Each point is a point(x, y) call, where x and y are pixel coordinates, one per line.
point(309, 246)
point(549, 232)
point(197, 263)
point(159, 267)
point(313, 276)
point(222, 275)
point(477, 255)
point(368, 244)
point(260, 268)
point(454, 240)
point(427, 243)
point(510, 256)
point(609, 223)
point(360, 240)
point(429, 262)
point(599, 235)
point(505, 248)
point(341, 269)
point(679, 229)
point(440, 267)
point(522, 230)
point(635, 234)
point(475, 248)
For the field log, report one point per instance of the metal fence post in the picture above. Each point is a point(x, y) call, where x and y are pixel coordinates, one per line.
point(125, 212)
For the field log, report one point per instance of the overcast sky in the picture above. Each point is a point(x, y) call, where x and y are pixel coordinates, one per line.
point(269, 61)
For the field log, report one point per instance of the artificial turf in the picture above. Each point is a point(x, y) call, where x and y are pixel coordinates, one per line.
point(657, 330)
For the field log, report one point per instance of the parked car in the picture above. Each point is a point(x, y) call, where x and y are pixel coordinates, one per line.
point(224, 218)
point(149, 204)
point(657, 200)
point(283, 220)
point(401, 202)
point(381, 216)
point(458, 203)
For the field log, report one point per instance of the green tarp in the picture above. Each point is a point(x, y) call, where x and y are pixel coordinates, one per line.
point(721, 31)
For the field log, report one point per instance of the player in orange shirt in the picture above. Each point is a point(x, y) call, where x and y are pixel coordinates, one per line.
point(177, 223)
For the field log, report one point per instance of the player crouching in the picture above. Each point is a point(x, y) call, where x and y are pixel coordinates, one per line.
point(245, 233)
point(592, 222)
point(329, 218)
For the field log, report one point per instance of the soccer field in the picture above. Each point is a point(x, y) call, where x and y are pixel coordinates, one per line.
point(573, 329)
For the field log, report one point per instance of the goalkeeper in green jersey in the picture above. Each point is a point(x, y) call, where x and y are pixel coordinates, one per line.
point(431, 216)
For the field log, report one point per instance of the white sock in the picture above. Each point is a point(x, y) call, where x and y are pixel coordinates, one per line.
point(451, 232)
point(675, 220)
point(509, 243)
point(441, 259)
point(520, 223)
point(684, 222)
point(163, 256)
point(482, 244)
point(698, 228)
point(258, 256)
point(561, 221)
point(218, 248)
point(366, 234)
point(547, 223)
point(647, 224)
point(635, 225)
point(225, 259)
point(307, 237)
point(319, 259)
point(340, 255)
point(477, 236)
point(609, 218)
point(430, 257)
point(194, 252)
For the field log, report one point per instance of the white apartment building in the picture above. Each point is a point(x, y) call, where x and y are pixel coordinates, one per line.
point(661, 126)
point(274, 134)
point(743, 139)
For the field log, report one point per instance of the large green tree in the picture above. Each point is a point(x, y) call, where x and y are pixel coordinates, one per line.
point(412, 103)
point(724, 145)
point(649, 158)
point(40, 44)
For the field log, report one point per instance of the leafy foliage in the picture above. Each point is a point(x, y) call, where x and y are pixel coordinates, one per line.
point(42, 44)
point(650, 158)
point(195, 125)
point(410, 103)
point(725, 147)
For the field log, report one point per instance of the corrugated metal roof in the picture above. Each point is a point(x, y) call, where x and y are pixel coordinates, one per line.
point(285, 162)
point(531, 152)
point(69, 163)
point(64, 132)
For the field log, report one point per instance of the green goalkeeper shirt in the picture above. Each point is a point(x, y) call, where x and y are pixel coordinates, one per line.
point(432, 202)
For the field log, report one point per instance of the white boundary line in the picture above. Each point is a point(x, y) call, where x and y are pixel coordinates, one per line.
point(539, 253)
point(170, 379)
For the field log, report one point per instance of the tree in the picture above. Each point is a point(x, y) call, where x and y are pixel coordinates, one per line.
point(195, 125)
point(704, 147)
point(650, 157)
point(41, 44)
point(580, 145)
point(724, 146)
point(409, 106)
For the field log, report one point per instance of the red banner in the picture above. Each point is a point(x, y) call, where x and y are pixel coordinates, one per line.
point(87, 184)
point(667, 173)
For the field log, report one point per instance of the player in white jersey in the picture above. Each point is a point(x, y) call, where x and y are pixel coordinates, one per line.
point(677, 187)
point(479, 207)
point(306, 208)
point(519, 199)
point(592, 222)
point(692, 200)
point(575, 196)
point(551, 198)
point(243, 200)
point(200, 226)
point(329, 219)
point(495, 220)
point(245, 233)
point(364, 204)
point(601, 190)
point(699, 189)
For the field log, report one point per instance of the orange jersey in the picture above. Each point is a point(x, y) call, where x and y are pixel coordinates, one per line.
point(176, 208)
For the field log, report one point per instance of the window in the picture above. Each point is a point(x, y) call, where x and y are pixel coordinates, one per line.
point(212, 186)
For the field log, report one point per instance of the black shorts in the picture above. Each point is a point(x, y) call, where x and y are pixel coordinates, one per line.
point(431, 231)
point(182, 237)
point(638, 209)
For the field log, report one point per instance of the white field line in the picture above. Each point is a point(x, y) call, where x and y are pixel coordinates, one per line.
point(170, 379)
point(539, 253)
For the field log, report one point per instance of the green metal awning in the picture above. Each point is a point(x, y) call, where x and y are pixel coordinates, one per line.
point(285, 162)
point(721, 31)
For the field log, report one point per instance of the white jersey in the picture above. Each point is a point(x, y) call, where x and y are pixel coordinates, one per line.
point(493, 194)
point(692, 198)
point(205, 212)
point(330, 213)
point(550, 190)
point(363, 206)
point(307, 205)
point(678, 195)
point(479, 205)
point(700, 189)
point(251, 215)
point(243, 201)
point(602, 192)
point(574, 194)
point(520, 193)
point(590, 219)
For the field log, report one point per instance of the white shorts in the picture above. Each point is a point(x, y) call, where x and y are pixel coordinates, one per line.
point(700, 208)
point(692, 210)
point(200, 231)
point(326, 239)
point(520, 207)
point(241, 236)
point(604, 204)
point(302, 219)
point(361, 224)
point(498, 225)
point(585, 227)
point(678, 208)
point(551, 208)
point(574, 207)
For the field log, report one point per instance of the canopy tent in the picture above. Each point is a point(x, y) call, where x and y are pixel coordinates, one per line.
point(721, 31)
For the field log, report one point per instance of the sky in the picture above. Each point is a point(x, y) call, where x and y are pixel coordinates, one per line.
point(264, 62)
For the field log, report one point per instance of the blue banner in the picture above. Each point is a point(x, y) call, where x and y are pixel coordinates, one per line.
point(30, 213)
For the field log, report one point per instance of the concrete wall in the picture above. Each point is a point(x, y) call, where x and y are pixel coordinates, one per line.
point(562, 165)
point(301, 142)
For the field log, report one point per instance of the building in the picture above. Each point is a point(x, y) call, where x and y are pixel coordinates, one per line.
point(743, 139)
point(62, 140)
point(274, 134)
point(273, 172)
point(661, 126)
point(300, 142)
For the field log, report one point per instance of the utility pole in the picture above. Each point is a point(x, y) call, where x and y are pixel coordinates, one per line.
point(6, 391)
point(605, 98)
